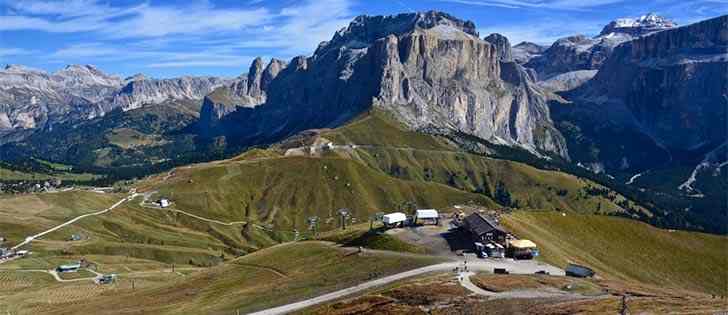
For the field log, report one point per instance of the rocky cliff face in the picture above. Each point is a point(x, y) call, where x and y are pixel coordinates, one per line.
point(246, 91)
point(580, 52)
point(525, 51)
point(668, 90)
point(31, 99)
point(502, 46)
point(139, 91)
point(430, 69)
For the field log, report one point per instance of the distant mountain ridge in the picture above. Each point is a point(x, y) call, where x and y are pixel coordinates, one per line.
point(580, 52)
point(35, 99)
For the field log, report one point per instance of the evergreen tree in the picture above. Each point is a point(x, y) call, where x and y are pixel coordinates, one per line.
point(502, 196)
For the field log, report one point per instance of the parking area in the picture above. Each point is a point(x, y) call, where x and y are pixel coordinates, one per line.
point(440, 240)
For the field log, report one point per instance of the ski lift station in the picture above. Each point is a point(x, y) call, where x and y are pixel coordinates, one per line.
point(68, 268)
point(394, 219)
point(164, 203)
point(427, 216)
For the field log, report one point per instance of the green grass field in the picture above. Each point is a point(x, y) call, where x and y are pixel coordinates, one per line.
point(378, 128)
point(628, 250)
point(8, 174)
point(390, 148)
point(29, 214)
point(285, 191)
point(250, 283)
point(127, 138)
point(361, 236)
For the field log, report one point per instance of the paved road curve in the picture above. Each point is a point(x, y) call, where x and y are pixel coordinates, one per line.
point(514, 267)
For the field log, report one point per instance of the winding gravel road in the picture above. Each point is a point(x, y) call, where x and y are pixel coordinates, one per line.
point(514, 267)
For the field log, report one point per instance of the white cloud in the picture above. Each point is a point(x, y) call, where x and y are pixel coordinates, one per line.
point(294, 29)
point(142, 20)
point(68, 8)
point(311, 23)
point(543, 4)
point(162, 21)
point(236, 61)
point(543, 32)
point(14, 52)
point(85, 50)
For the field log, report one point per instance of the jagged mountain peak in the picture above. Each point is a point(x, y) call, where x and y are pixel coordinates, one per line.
point(85, 75)
point(86, 67)
point(409, 21)
point(135, 77)
point(502, 45)
point(16, 68)
point(639, 26)
point(366, 29)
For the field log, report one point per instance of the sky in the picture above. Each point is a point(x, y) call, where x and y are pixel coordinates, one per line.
point(221, 37)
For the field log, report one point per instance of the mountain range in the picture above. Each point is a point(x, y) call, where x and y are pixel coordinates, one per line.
point(643, 98)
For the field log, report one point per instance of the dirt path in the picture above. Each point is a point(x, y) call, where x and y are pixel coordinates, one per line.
point(275, 271)
point(464, 279)
point(58, 278)
point(145, 204)
point(69, 222)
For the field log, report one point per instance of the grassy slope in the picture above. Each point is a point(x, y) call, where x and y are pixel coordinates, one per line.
point(627, 249)
point(270, 190)
point(250, 283)
point(285, 191)
point(29, 214)
point(389, 149)
point(378, 128)
point(127, 231)
point(361, 236)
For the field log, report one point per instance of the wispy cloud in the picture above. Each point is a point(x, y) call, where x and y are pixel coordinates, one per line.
point(543, 4)
point(544, 31)
point(13, 52)
point(166, 36)
point(163, 21)
point(136, 21)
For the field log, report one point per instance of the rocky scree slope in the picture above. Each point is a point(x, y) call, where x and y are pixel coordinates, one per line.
point(429, 69)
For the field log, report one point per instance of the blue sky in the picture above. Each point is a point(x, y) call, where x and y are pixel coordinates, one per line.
point(168, 38)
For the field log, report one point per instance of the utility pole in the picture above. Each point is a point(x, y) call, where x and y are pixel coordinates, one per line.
point(344, 213)
point(624, 310)
point(313, 225)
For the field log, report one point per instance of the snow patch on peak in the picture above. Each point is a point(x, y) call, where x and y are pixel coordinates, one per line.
point(639, 26)
point(15, 68)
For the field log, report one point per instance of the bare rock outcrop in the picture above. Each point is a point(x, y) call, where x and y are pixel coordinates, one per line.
point(430, 69)
point(663, 96)
point(580, 52)
point(502, 46)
